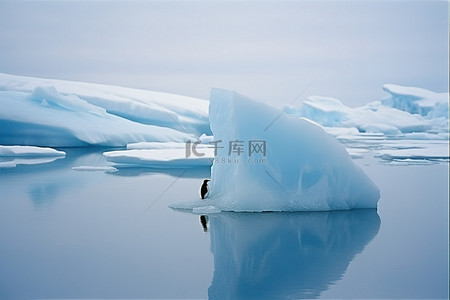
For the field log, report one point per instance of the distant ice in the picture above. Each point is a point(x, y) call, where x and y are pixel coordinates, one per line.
point(402, 120)
point(373, 117)
point(417, 101)
point(440, 152)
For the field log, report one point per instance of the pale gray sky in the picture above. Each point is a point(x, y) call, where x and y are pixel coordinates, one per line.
point(267, 50)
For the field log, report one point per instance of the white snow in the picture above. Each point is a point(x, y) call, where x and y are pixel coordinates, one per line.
point(304, 169)
point(161, 158)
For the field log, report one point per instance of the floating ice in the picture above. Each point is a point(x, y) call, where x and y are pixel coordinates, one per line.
point(29, 151)
point(11, 156)
point(95, 168)
point(161, 158)
point(304, 168)
point(156, 145)
point(436, 152)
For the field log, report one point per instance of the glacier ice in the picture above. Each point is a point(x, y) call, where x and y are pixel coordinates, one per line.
point(373, 117)
point(304, 168)
point(182, 113)
point(406, 110)
point(56, 113)
point(45, 117)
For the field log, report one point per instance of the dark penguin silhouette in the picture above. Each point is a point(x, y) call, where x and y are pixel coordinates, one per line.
point(204, 190)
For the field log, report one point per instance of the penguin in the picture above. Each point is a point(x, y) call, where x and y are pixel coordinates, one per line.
point(204, 190)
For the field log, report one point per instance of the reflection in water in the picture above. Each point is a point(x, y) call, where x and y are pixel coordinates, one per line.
point(57, 176)
point(285, 255)
point(204, 222)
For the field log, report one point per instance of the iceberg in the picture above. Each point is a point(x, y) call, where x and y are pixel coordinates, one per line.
point(56, 113)
point(302, 168)
point(182, 113)
point(373, 117)
point(45, 117)
point(406, 110)
point(417, 101)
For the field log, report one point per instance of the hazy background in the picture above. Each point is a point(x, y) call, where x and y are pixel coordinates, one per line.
point(268, 50)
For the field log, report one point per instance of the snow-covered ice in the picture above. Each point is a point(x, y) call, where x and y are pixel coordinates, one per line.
point(29, 151)
point(12, 156)
point(182, 113)
point(373, 117)
point(417, 101)
point(302, 169)
point(62, 113)
point(405, 110)
point(57, 113)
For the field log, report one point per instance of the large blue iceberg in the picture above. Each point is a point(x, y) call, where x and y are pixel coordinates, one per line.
point(57, 113)
point(285, 163)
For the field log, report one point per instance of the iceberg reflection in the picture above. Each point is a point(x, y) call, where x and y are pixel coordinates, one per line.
point(285, 255)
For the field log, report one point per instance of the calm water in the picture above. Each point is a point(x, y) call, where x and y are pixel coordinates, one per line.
point(75, 234)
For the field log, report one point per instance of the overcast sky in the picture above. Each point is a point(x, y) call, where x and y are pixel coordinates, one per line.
point(268, 50)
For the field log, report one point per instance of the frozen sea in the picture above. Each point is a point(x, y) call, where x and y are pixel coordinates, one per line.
point(71, 232)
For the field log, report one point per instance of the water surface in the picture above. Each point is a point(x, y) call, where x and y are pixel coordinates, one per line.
point(76, 234)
